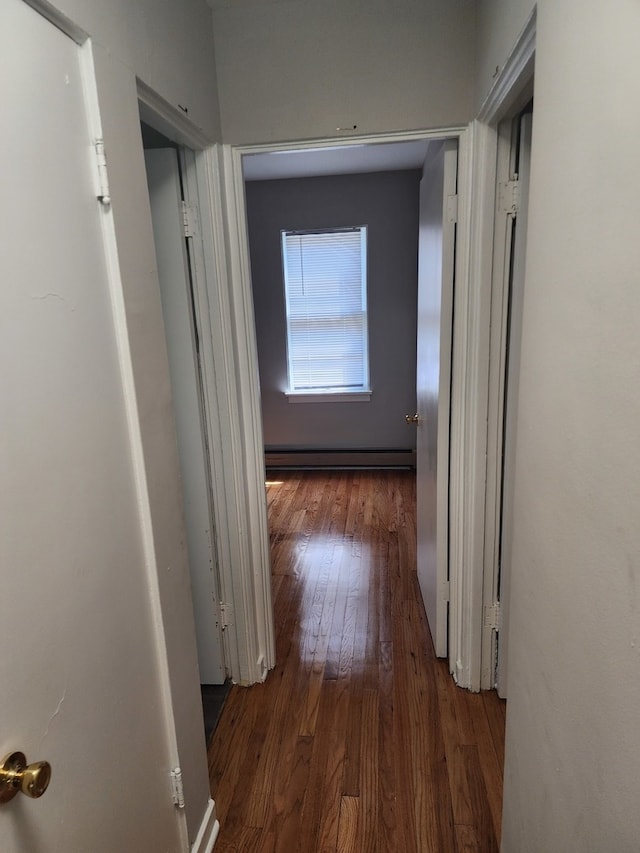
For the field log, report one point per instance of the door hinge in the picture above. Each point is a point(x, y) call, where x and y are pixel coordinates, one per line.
point(189, 219)
point(104, 195)
point(226, 615)
point(177, 788)
point(492, 616)
point(452, 208)
point(444, 591)
point(509, 197)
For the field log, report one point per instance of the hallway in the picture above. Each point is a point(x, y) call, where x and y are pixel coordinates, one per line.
point(358, 740)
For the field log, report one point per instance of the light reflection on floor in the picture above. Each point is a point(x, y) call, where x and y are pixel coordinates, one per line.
point(335, 571)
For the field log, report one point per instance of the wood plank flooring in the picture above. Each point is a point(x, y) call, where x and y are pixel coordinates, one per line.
point(358, 741)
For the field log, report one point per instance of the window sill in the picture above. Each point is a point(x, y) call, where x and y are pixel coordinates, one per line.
point(328, 396)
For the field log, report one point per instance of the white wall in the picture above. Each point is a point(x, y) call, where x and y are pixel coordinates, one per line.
point(499, 23)
point(292, 69)
point(573, 742)
point(168, 45)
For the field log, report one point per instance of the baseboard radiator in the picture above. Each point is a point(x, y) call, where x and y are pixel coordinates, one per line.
point(339, 458)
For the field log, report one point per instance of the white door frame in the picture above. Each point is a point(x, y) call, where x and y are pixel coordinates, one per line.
point(462, 579)
point(234, 430)
point(510, 92)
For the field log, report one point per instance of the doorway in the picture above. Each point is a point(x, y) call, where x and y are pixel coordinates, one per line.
point(329, 187)
point(175, 231)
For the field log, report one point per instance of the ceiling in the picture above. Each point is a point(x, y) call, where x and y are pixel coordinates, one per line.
point(335, 160)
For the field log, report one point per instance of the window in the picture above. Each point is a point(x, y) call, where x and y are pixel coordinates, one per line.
point(325, 275)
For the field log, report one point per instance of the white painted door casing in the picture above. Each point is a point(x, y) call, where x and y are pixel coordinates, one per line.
point(467, 435)
point(512, 372)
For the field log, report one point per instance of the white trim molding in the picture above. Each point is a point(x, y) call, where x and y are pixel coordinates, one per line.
point(59, 20)
point(169, 119)
point(219, 369)
point(468, 437)
point(253, 603)
point(234, 427)
point(208, 832)
point(517, 69)
point(218, 372)
point(464, 519)
point(344, 142)
point(509, 93)
point(329, 397)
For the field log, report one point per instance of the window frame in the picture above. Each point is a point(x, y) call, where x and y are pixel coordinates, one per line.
point(329, 394)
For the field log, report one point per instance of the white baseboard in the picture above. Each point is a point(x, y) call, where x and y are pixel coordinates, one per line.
point(208, 832)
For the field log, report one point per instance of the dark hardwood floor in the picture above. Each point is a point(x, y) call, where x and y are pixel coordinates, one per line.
point(359, 740)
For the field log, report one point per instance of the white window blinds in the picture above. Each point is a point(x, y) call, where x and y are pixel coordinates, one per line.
point(325, 287)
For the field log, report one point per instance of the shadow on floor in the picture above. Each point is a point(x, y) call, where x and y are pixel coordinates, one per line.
point(213, 698)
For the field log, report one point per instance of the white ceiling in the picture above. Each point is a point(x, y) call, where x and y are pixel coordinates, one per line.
point(335, 160)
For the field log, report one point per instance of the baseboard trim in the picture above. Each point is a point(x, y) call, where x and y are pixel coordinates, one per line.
point(340, 458)
point(208, 832)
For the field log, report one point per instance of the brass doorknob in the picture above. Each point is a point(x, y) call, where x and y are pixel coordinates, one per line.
point(412, 419)
point(16, 775)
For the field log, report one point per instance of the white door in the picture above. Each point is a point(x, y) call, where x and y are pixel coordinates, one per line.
point(518, 251)
point(78, 668)
point(435, 314)
point(165, 195)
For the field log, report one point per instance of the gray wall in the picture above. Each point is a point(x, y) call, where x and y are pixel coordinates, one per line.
point(573, 742)
point(168, 45)
point(295, 69)
point(388, 204)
